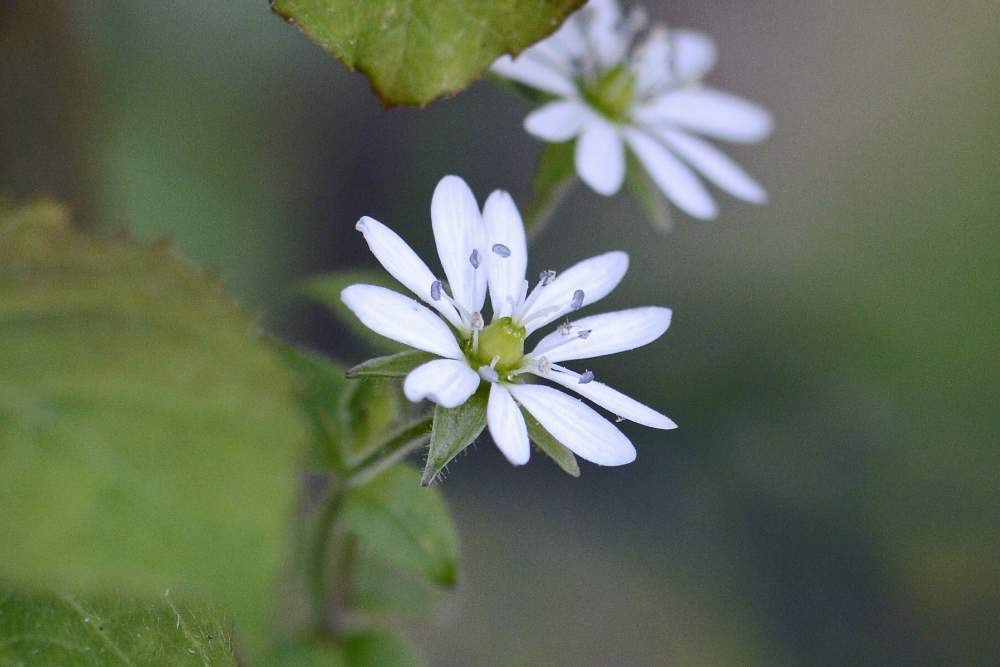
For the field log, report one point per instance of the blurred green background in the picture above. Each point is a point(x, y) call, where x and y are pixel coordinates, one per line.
point(832, 494)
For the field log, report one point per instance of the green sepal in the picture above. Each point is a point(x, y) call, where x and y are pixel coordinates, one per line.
point(554, 177)
point(554, 449)
point(392, 366)
point(454, 430)
point(647, 195)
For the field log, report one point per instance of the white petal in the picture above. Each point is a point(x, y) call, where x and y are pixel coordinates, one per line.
point(711, 112)
point(600, 157)
point(576, 425)
point(605, 33)
point(403, 264)
point(447, 382)
point(715, 165)
point(507, 426)
point(504, 228)
point(693, 54)
point(609, 333)
point(557, 121)
point(651, 62)
point(402, 319)
point(678, 183)
point(595, 276)
point(458, 231)
point(613, 401)
point(529, 71)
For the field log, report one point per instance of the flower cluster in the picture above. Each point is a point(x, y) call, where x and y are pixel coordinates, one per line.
point(485, 251)
point(648, 97)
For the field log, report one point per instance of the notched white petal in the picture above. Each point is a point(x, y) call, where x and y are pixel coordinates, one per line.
point(672, 176)
point(609, 333)
point(446, 382)
point(507, 267)
point(613, 400)
point(402, 319)
point(557, 121)
point(507, 426)
point(715, 166)
point(459, 235)
point(396, 256)
point(711, 112)
point(577, 426)
point(529, 71)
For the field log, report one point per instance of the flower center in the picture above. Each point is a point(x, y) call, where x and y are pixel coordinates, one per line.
point(502, 340)
point(611, 93)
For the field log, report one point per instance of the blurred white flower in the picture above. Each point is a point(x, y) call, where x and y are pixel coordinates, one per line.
point(649, 98)
point(487, 251)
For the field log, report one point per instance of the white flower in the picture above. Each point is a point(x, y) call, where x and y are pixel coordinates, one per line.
point(487, 251)
point(649, 98)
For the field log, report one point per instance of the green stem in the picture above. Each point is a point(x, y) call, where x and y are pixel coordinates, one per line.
point(404, 441)
point(318, 553)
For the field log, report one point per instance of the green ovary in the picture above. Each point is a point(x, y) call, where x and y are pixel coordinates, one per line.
point(504, 338)
point(611, 93)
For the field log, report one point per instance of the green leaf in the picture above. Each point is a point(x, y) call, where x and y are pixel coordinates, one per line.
point(370, 410)
point(454, 430)
point(414, 51)
point(49, 629)
point(552, 447)
point(393, 366)
point(554, 177)
point(378, 587)
point(320, 387)
point(325, 289)
point(398, 521)
point(149, 438)
point(366, 648)
point(645, 192)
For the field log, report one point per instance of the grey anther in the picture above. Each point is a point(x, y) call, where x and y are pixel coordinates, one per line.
point(546, 277)
point(565, 328)
point(476, 320)
point(584, 334)
point(436, 290)
point(577, 301)
point(474, 259)
point(544, 366)
point(501, 250)
point(586, 376)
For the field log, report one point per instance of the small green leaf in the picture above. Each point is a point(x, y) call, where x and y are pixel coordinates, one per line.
point(399, 522)
point(552, 447)
point(393, 366)
point(325, 289)
point(645, 192)
point(369, 648)
point(49, 629)
point(414, 51)
point(142, 421)
point(554, 177)
point(454, 430)
point(378, 587)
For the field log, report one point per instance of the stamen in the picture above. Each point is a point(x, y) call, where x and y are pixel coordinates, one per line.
point(474, 259)
point(546, 277)
point(544, 365)
point(577, 301)
point(565, 328)
point(476, 321)
point(489, 374)
point(436, 290)
point(501, 249)
point(585, 334)
point(586, 376)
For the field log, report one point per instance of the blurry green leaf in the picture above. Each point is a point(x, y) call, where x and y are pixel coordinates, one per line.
point(400, 522)
point(148, 436)
point(358, 649)
point(414, 51)
point(320, 386)
point(552, 447)
point(370, 410)
point(48, 629)
point(378, 587)
point(650, 198)
point(554, 176)
point(326, 289)
point(393, 366)
point(370, 648)
point(454, 430)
